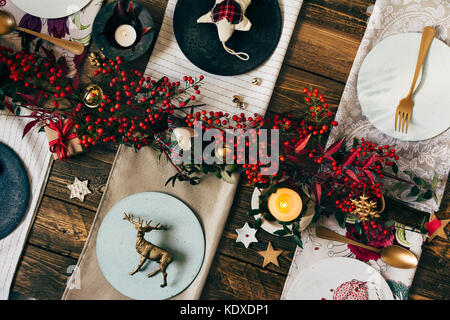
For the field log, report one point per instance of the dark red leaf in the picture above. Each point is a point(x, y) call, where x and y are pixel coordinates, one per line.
point(50, 56)
point(329, 158)
point(9, 106)
point(301, 144)
point(369, 161)
point(31, 100)
point(62, 63)
point(320, 148)
point(351, 175)
point(334, 147)
point(317, 189)
point(76, 81)
point(323, 176)
point(369, 175)
point(146, 29)
point(120, 8)
point(131, 9)
point(292, 159)
point(29, 126)
point(350, 158)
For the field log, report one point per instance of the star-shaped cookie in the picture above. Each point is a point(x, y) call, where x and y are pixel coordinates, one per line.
point(79, 189)
point(246, 235)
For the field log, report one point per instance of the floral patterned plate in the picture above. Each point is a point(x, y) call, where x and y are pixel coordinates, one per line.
point(51, 8)
point(339, 279)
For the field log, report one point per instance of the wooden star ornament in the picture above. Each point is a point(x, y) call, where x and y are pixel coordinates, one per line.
point(270, 255)
point(435, 227)
point(79, 189)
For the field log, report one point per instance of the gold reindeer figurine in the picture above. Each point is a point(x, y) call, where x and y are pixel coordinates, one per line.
point(147, 250)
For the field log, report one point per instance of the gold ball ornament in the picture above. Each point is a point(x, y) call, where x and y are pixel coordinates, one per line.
point(93, 96)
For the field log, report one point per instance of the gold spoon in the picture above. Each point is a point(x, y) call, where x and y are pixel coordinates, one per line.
point(393, 255)
point(8, 25)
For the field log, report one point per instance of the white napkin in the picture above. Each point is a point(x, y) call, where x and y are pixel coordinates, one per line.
point(217, 91)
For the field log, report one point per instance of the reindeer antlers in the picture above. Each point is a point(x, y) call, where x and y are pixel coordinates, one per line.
point(140, 222)
point(130, 218)
point(148, 227)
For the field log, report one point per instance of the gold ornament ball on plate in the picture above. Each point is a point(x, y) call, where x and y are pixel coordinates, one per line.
point(93, 96)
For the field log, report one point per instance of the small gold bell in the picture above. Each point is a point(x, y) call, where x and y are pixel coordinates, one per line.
point(256, 81)
point(93, 96)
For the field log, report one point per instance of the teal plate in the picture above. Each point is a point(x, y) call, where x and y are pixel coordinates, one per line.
point(184, 239)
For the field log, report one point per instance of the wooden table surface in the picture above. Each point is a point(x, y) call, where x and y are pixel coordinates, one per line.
point(321, 53)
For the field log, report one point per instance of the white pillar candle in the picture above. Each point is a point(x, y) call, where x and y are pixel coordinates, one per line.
point(125, 35)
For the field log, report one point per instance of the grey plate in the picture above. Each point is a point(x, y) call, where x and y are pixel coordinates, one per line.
point(14, 190)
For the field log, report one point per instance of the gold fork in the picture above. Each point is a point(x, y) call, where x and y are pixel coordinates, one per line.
point(404, 109)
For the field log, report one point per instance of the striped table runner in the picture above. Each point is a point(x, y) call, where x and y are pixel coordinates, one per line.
point(217, 91)
point(36, 157)
point(34, 149)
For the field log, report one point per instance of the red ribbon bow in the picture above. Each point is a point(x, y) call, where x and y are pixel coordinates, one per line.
point(58, 145)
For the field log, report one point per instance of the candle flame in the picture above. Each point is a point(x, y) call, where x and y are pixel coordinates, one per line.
point(283, 204)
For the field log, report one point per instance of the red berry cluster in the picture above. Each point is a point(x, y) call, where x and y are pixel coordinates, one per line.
point(36, 72)
point(356, 174)
point(133, 107)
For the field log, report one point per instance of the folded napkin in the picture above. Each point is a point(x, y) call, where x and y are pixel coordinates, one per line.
point(132, 173)
point(217, 91)
point(34, 148)
point(424, 157)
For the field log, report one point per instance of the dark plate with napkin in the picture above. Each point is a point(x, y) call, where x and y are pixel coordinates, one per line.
point(200, 42)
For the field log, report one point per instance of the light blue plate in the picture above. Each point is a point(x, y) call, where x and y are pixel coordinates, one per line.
point(184, 239)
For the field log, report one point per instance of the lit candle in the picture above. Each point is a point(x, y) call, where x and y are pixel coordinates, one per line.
point(223, 153)
point(285, 204)
point(125, 35)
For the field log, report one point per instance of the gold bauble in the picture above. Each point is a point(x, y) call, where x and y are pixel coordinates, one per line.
point(93, 96)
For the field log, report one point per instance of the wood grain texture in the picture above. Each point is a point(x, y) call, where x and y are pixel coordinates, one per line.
point(320, 55)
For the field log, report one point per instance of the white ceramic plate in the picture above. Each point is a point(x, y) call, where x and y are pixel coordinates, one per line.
point(116, 241)
point(320, 280)
point(386, 76)
point(50, 8)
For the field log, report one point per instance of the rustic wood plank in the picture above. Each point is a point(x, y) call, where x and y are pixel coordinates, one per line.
point(288, 94)
point(233, 279)
point(85, 168)
point(61, 227)
point(323, 47)
point(41, 274)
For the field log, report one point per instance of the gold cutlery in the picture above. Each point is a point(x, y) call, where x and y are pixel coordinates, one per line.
point(393, 255)
point(8, 25)
point(404, 109)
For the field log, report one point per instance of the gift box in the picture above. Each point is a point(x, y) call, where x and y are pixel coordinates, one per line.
point(62, 139)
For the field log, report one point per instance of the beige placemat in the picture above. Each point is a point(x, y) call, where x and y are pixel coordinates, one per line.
point(132, 173)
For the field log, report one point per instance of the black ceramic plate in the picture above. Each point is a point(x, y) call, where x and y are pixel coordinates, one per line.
point(200, 41)
point(14, 190)
point(104, 27)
